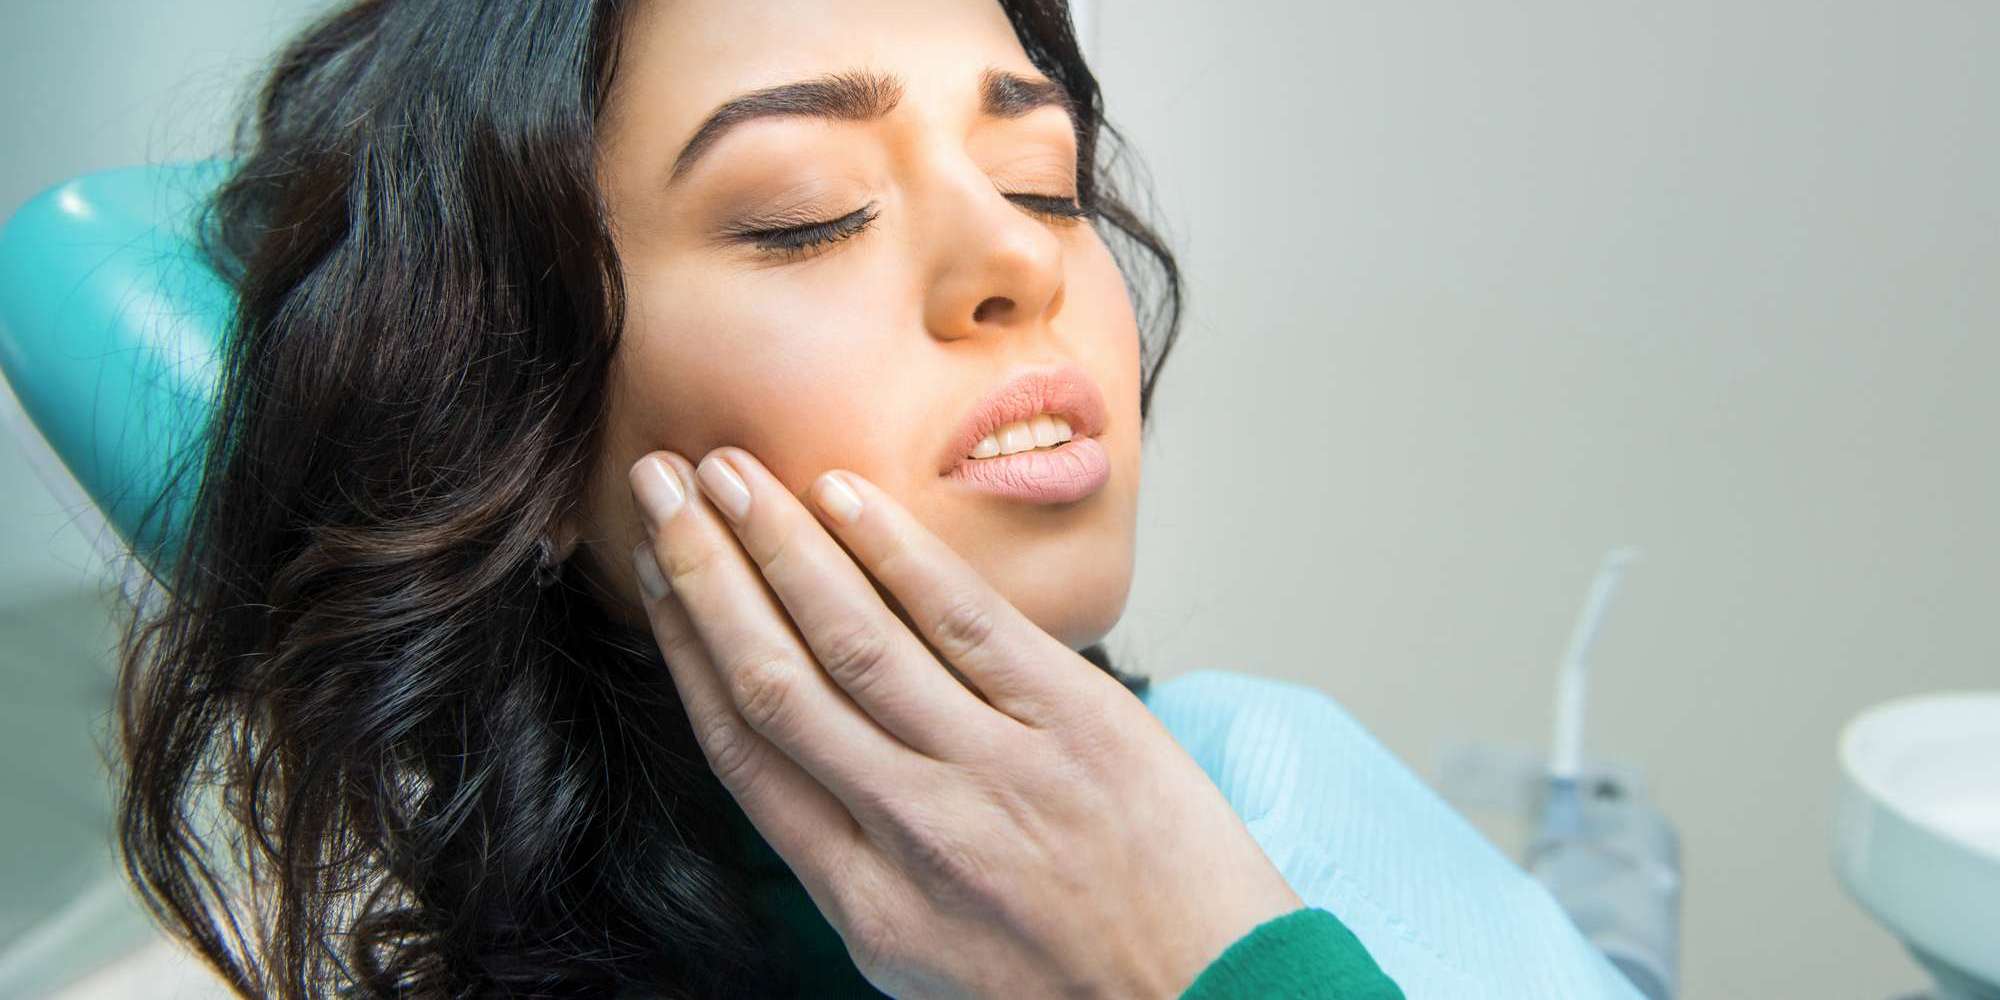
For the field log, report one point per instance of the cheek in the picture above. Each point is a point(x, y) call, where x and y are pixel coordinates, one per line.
point(792, 378)
point(1109, 342)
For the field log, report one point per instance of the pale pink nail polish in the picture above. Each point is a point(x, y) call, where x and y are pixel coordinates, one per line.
point(647, 566)
point(658, 489)
point(837, 498)
point(725, 487)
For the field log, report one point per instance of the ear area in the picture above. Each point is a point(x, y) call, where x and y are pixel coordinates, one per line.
point(563, 538)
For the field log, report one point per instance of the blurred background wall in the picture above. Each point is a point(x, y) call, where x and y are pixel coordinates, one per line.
point(1477, 292)
point(1481, 290)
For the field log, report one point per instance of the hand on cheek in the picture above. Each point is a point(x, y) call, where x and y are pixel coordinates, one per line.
point(954, 837)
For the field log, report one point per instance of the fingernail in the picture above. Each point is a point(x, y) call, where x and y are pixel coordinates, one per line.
point(837, 498)
point(651, 580)
point(724, 486)
point(658, 489)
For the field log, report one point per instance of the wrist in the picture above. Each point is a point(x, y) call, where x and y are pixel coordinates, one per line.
point(1226, 925)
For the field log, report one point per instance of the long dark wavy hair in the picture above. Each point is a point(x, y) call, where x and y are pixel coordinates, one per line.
point(362, 751)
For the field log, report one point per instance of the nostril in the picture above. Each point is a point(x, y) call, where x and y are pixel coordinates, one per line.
point(986, 309)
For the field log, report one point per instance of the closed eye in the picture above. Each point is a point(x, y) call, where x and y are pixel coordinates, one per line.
point(1054, 207)
point(793, 242)
point(789, 242)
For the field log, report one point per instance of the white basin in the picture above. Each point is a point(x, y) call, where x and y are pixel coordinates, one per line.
point(1917, 836)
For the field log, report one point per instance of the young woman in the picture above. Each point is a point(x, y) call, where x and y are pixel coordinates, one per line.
point(506, 697)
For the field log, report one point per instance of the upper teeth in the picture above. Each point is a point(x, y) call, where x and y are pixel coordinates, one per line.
point(1023, 435)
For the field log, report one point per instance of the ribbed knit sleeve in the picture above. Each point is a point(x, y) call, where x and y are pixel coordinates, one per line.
point(1307, 954)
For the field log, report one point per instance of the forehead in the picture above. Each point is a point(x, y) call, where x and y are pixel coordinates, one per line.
point(679, 59)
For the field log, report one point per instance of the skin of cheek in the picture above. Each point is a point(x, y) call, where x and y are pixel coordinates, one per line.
point(815, 373)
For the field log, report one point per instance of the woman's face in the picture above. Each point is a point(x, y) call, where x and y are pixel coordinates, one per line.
point(870, 352)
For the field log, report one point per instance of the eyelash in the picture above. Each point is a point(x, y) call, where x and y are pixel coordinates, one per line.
point(793, 242)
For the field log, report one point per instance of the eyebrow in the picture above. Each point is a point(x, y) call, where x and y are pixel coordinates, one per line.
point(859, 96)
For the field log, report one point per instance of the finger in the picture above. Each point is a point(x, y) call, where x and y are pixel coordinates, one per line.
point(860, 643)
point(796, 815)
point(1020, 669)
point(770, 677)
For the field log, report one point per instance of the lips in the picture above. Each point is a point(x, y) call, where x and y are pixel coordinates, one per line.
point(1065, 391)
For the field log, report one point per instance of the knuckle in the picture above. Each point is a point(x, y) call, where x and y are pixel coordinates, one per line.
point(854, 654)
point(893, 562)
point(955, 873)
point(964, 625)
point(1095, 735)
point(782, 545)
point(764, 691)
point(686, 565)
point(949, 866)
point(680, 644)
point(872, 937)
point(732, 754)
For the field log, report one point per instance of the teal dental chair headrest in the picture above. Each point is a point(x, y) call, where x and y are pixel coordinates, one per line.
point(110, 325)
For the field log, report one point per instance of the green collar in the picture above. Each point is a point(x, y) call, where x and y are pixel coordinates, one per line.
point(812, 944)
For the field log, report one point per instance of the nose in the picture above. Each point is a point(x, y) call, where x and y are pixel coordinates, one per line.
point(996, 267)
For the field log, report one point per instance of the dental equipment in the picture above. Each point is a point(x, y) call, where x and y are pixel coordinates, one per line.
point(1607, 855)
point(1917, 834)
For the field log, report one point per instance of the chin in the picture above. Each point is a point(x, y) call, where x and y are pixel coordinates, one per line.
point(1076, 607)
point(1070, 575)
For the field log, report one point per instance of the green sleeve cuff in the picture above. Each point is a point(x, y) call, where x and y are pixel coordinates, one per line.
point(1307, 954)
